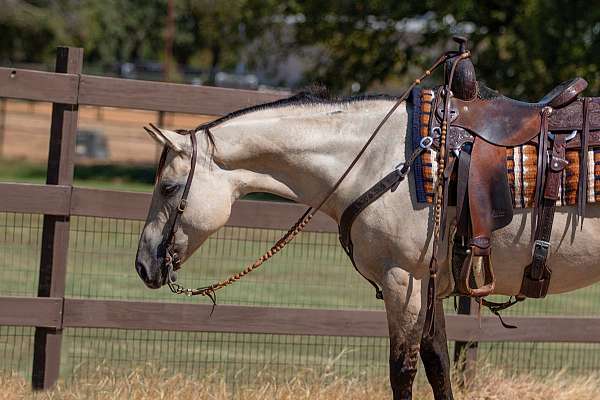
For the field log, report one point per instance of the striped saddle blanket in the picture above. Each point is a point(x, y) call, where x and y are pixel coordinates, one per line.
point(521, 165)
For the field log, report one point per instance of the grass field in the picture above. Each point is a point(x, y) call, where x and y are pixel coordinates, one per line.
point(312, 272)
point(162, 384)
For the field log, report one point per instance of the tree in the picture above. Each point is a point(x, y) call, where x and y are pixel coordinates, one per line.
point(28, 30)
point(522, 47)
point(526, 47)
point(360, 42)
point(217, 33)
point(121, 31)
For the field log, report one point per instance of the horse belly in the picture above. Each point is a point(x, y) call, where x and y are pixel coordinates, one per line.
point(573, 253)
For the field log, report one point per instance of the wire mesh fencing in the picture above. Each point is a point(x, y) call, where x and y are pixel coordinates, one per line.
point(313, 272)
point(238, 357)
point(20, 246)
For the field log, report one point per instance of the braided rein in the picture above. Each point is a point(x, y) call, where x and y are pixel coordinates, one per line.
point(210, 290)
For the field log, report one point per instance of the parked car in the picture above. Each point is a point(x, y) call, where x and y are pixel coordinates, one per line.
point(91, 144)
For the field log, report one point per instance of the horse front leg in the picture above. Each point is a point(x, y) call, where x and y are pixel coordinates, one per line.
point(403, 304)
point(434, 354)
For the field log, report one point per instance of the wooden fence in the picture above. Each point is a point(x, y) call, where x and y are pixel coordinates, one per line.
point(58, 200)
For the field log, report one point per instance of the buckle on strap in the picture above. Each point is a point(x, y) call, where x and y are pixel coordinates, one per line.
point(403, 169)
point(182, 205)
point(541, 248)
point(426, 142)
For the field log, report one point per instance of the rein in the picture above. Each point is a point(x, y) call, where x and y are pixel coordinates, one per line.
point(172, 259)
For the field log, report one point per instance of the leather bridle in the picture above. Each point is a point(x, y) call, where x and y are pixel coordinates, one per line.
point(172, 260)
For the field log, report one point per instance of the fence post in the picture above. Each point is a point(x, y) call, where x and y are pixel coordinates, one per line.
point(2, 124)
point(55, 231)
point(465, 353)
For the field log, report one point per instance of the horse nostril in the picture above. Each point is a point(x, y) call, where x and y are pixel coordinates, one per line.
point(142, 271)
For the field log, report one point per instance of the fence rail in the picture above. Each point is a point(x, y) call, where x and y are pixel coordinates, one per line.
point(90, 90)
point(59, 313)
point(160, 96)
point(58, 200)
point(38, 85)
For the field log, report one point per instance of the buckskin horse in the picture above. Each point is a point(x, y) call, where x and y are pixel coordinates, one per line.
point(301, 148)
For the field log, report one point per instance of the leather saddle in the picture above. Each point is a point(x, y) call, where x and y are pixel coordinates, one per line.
point(482, 125)
point(503, 121)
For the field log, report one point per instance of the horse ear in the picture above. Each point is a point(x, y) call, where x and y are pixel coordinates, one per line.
point(155, 136)
point(165, 137)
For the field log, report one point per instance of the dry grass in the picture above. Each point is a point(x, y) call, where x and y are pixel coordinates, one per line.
point(158, 384)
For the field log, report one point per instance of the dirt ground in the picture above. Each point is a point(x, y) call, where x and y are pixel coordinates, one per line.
point(27, 130)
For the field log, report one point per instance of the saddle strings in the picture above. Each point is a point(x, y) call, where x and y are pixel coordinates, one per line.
point(209, 291)
point(429, 327)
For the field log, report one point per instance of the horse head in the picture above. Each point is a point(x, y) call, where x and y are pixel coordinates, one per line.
point(170, 235)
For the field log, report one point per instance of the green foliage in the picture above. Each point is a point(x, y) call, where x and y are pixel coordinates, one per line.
point(359, 40)
point(522, 47)
point(526, 47)
point(220, 30)
point(26, 29)
point(121, 31)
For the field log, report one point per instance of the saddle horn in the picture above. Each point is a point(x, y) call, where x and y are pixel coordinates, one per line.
point(464, 82)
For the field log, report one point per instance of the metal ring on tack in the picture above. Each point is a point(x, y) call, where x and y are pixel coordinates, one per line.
point(446, 92)
point(571, 136)
point(426, 142)
point(401, 167)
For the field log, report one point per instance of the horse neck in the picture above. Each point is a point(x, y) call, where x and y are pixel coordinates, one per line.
point(300, 152)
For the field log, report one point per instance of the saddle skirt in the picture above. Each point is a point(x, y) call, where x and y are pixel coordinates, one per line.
point(521, 165)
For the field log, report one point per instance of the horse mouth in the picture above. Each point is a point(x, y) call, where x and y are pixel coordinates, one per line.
point(145, 274)
point(153, 285)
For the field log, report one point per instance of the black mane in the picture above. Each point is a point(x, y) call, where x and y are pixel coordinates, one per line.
point(302, 98)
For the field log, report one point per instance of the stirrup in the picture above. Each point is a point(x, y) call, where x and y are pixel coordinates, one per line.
point(466, 273)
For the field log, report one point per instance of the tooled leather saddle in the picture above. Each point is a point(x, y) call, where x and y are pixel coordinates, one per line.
point(482, 125)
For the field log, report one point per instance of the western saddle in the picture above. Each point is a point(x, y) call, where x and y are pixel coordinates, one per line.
point(476, 125)
point(472, 127)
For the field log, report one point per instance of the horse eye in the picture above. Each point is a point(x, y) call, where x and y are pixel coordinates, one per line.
point(168, 189)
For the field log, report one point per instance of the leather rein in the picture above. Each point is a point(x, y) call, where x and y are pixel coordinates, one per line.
point(172, 260)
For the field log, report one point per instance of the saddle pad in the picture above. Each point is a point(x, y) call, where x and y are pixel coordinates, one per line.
point(521, 164)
